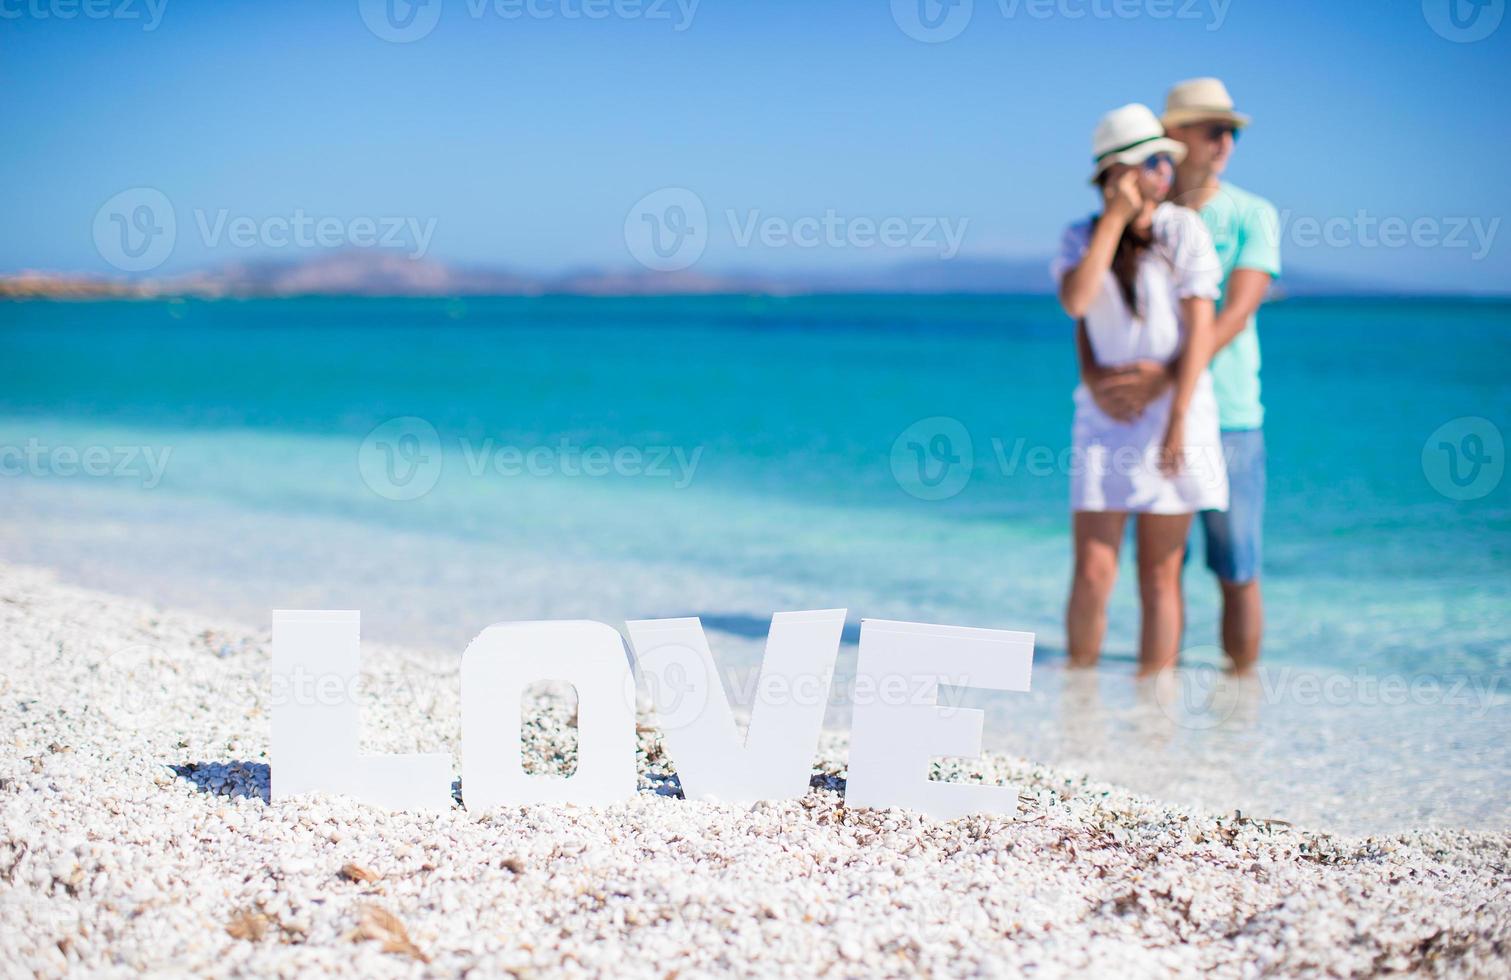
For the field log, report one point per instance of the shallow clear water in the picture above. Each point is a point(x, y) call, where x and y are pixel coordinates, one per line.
point(727, 457)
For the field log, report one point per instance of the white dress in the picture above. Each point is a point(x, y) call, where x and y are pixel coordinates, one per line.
point(1115, 464)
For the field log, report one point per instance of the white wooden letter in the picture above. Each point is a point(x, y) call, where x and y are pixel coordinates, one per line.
point(898, 725)
point(498, 666)
point(316, 662)
point(693, 712)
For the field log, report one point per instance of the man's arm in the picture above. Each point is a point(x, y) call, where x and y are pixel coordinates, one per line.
point(1117, 391)
point(1246, 290)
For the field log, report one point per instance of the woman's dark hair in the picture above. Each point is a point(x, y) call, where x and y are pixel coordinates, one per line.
point(1125, 260)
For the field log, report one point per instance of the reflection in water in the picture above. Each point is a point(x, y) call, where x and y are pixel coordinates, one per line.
point(1083, 720)
point(1349, 763)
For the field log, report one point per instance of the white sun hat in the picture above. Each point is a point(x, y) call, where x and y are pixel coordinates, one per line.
point(1200, 100)
point(1130, 134)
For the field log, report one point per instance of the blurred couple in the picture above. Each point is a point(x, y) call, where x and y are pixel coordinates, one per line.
point(1164, 284)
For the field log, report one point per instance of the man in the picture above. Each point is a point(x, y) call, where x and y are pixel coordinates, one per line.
point(1246, 233)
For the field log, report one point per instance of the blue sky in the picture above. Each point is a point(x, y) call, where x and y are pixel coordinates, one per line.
point(524, 135)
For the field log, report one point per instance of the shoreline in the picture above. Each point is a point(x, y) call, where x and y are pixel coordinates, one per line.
point(1355, 764)
point(135, 834)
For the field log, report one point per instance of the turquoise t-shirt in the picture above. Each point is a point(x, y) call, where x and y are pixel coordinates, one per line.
point(1246, 233)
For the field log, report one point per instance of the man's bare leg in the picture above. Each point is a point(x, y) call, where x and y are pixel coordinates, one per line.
point(1242, 624)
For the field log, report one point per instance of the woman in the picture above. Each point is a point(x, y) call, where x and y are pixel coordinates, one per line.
point(1140, 279)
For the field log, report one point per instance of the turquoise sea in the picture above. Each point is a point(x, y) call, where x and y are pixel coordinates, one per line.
point(441, 465)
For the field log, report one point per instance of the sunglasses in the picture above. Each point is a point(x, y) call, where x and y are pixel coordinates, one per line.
point(1151, 164)
point(1217, 131)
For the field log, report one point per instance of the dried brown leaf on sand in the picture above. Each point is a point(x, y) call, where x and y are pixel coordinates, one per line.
point(355, 872)
point(381, 925)
point(248, 925)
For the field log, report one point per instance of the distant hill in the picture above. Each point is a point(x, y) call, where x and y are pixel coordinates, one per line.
point(376, 272)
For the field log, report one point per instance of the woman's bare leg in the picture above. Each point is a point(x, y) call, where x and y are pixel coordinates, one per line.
point(1097, 537)
point(1161, 553)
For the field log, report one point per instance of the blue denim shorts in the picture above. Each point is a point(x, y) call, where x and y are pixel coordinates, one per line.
point(1235, 536)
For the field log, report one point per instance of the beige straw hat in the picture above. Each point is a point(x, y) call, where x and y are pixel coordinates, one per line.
point(1131, 135)
point(1199, 100)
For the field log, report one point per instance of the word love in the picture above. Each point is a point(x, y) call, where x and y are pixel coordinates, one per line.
point(892, 740)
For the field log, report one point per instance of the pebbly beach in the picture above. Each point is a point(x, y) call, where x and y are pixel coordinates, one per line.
point(136, 836)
